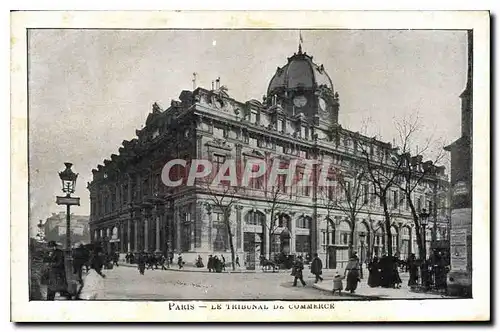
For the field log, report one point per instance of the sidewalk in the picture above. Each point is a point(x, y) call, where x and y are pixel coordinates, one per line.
point(379, 293)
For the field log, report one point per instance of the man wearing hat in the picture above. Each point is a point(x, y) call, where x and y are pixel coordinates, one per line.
point(56, 272)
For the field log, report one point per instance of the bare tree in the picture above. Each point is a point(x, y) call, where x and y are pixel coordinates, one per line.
point(275, 197)
point(382, 170)
point(414, 171)
point(353, 198)
point(223, 198)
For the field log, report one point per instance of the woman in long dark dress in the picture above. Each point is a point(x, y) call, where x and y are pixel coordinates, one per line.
point(352, 270)
point(373, 274)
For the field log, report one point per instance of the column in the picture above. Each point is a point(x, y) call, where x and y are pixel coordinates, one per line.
point(192, 225)
point(157, 229)
point(146, 234)
point(239, 229)
point(129, 233)
point(293, 234)
point(122, 236)
point(169, 228)
point(266, 231)
point(136, 235)
point(177, 223)
point(209, 231)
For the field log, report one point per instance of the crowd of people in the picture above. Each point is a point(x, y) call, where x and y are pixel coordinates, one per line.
point(68, 282)
point(382, 272)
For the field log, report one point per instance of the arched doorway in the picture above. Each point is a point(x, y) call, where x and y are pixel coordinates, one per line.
point(378, 241)
point(342, 239)
point(394, 240)
point(303, 236)
point(405, 242)
point(253, 237)
point(329, 242)
point(280, 235)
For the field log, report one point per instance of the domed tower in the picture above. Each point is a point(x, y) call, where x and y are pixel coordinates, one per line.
point(301, 86)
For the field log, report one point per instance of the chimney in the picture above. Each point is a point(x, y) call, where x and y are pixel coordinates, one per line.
point(217, 83)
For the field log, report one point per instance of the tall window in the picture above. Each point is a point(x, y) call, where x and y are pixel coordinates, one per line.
point(282, 183)
point(331, 190)
point(395, 199)
point(221, 238)
point(218, 161)
point(429, 205)
point(419, 204)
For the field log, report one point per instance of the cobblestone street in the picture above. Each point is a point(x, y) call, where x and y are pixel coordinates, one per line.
point(126, 283)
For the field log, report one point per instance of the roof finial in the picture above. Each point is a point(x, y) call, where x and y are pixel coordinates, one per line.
point(300, 41)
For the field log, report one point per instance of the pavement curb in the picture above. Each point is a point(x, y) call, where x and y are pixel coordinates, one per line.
point(204, 270)
point(367, 297)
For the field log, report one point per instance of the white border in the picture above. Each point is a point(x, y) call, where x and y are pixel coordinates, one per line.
point(427, 310)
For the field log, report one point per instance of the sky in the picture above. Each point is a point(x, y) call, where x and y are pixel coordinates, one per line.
point(91, 89)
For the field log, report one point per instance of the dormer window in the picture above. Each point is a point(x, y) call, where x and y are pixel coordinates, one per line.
point(253, 116)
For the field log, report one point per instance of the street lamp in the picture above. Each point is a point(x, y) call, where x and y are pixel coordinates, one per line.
point(362, 240)
point(424, 217)
point(68, 180)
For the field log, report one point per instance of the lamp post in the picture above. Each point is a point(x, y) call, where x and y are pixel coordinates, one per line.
point(362, 258)
point(424, 216)
point(68, 179)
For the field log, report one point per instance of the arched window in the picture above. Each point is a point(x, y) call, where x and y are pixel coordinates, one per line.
point(343, 235)
point(304, 222)
point(405, 249)
point(255, 218)
point(394, 238)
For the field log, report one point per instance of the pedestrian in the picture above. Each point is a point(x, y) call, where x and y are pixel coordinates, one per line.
point(55, 275)
point(180, 262)
point(317, 268)
point(223, 262)
point(141, 262)
point(162, 261)
point(352, 272)
point(373, 273)
point(93, 282)
point(396, 279)
point(337, 283)
point(199, 262)
point(116, 257)
point(210, 263)
point(413, 268)
point(298, 268)
point(238, 261)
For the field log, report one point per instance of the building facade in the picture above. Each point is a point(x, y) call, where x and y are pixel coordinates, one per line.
point(297, 119)
point(55, 228)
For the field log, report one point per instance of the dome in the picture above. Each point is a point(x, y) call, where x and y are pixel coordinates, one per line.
point(299, 72)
